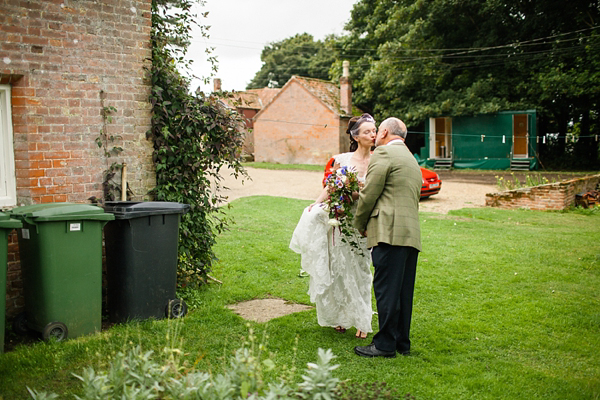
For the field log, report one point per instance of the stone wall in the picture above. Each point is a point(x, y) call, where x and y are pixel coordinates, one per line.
point(64, 60)
point(552, 196)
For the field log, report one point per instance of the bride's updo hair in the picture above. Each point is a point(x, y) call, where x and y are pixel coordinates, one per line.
point(353, 142)
point(354, 125)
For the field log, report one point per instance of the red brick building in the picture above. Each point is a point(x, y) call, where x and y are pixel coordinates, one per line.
point(60, 63)
point(248, 103)
point(305, 123)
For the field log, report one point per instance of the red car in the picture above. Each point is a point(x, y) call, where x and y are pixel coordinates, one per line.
point(431, 181)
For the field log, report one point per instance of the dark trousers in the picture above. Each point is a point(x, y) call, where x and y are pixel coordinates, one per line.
point(394, 284)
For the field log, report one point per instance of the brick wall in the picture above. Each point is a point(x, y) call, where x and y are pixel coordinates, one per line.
point(298, 129)
point(60, 57)
point(248, 146)
point(14, 285)
point(552, 196)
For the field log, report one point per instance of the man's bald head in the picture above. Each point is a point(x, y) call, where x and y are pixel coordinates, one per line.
point(390, 129)
point(395, 127)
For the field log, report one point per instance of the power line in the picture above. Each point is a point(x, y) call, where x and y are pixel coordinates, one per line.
point(486, 135)
point(478, 60)
point(463, 50)
point(481, 61)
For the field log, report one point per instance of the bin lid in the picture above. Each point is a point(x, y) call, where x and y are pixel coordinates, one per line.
point(7, 223)
point(136, 209)
point(61, 212)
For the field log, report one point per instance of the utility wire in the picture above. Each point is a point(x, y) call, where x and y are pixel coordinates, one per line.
point(463, 50)
point(478, 61)
point(486, 135)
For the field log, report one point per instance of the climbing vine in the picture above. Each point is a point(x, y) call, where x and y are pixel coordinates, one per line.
point(196, 139)
point(107, 143)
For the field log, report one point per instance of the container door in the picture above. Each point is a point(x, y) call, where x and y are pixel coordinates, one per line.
point(440, 145)
point(520, 136)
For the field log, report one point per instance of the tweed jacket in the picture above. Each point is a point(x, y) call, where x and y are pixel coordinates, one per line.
point(388, 205)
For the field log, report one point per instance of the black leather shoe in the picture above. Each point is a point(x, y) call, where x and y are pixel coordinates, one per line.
point(372, 351)
point(404, 352)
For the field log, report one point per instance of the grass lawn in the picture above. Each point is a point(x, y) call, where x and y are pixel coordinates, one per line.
point(506, 306)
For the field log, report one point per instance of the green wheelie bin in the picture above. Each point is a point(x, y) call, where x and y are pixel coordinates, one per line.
point(60, 246)
point(141, 260)
point(6, 226)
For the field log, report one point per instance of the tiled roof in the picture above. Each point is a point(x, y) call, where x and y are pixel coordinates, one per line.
point(253, 99)
point(325, 91)
point(244, 100)
point(265, 94)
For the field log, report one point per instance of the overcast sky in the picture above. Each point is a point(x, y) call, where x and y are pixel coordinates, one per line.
point(240, 29)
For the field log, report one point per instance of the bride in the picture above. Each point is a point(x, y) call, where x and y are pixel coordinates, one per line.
point(340, 276)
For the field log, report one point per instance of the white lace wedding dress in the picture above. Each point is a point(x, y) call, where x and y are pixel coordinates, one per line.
point(340, 277)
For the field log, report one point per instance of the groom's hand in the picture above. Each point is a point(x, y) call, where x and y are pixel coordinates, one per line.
point(364, 233)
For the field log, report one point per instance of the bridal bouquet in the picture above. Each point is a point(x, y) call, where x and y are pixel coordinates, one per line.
point(340, 186)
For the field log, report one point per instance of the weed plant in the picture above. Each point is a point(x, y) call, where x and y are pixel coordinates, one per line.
point(137, 374)
point(535, 179)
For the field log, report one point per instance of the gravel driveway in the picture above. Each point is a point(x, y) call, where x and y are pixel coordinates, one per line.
point(306, 185)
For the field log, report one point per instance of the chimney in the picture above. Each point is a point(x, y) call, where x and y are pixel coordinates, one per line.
point(217, 85)
point(346, 89)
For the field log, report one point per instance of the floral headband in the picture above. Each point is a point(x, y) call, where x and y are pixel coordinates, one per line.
point(363, 118)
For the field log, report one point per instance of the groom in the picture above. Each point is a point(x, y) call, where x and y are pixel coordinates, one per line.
point(387, 214)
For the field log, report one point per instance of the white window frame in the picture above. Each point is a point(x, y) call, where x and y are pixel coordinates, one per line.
point(8, 180)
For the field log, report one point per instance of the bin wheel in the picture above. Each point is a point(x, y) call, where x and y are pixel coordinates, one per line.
point(55, 330)
point(176, 308)
point(20, 324)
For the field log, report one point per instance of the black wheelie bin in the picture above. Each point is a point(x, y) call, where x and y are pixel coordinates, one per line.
point(141, 260)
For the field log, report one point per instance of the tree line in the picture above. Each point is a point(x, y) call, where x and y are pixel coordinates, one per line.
point(429, 58)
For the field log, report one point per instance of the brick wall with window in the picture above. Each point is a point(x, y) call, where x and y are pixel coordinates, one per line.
point(58, 59)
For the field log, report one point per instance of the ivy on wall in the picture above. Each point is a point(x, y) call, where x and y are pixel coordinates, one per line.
point(107, 143)
point(196, 137)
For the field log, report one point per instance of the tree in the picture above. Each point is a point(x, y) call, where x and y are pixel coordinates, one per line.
point(417, 59)
point(194, 137)
point(298, 55)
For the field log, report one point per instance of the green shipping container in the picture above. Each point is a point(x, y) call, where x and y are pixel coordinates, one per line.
point(60, 247)
point(6, 226)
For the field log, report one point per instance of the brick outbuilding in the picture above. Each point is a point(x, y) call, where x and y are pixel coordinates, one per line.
point(247, 103)
point(305, 123)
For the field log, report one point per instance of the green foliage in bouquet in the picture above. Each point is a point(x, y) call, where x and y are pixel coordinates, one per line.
point(341, 185)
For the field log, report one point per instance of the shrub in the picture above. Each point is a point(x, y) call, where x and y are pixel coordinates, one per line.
point(136, 374)
point(195, 137)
